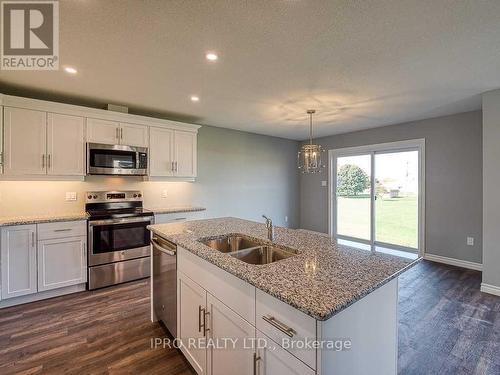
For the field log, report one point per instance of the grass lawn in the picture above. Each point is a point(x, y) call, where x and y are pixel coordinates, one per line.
point(396, 219)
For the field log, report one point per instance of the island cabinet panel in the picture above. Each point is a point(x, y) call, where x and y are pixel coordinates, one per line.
point(234, 337)
point(370, 325)
point(274, 360)
point(231, 290)
point(280, 321)
point(18, 260)
point(191, 308)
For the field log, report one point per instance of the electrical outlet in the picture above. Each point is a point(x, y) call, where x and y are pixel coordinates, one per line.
point(470, 241)
point(71, 196)
point(164, 193)
point(324, 183)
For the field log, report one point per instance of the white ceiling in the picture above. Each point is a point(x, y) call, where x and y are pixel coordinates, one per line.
point(360, 64)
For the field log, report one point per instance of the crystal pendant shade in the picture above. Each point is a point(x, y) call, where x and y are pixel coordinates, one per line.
point(309, 158)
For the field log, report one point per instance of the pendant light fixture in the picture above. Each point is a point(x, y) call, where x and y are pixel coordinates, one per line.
point(309, 156)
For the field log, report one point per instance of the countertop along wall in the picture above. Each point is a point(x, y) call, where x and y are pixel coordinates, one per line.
point(453, 181)
point(239, 174)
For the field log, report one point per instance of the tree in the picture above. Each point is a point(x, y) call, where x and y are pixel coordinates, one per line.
point(351, 180)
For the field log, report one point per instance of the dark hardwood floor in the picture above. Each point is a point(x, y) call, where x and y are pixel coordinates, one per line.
point(446, 327)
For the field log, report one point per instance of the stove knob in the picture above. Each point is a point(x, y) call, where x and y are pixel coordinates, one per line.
point(135, 195)
point(95, 196)
point(89, 196)
point(140, 195)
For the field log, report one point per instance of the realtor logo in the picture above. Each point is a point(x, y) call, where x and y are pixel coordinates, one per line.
point(30, 35)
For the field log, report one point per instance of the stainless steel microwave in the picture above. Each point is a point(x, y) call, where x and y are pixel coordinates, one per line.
point(105, 159)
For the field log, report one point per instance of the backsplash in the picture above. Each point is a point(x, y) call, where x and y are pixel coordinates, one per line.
point(48, 197)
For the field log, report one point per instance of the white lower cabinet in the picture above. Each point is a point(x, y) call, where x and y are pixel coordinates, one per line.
point(274, 360)
point(232, 338)
point(191, 315)
point(18, 260)
point(62, 262)
point(41, 257)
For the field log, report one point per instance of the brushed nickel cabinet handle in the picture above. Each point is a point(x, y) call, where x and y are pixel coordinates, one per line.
point(205, 329)
point(33, 239)
point(49, 161)
point(200, 310)
point(256, 358)
point(121, 133)
point(43, 161)
point(117, 133)
point(62, 230)
point(280, 326)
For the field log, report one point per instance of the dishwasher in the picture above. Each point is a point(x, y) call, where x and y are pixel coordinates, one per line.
point(165, 282)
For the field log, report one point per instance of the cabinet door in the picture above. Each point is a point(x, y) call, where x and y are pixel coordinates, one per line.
point(225, 326)
point(274, 360)
point(1, 141)
point(161, 152)
point(25, 141)
point(133, 135)
point(185, 154)
point(191, 304)
point(103, 131)
point(61, 262)
point(65, 145)
point(18, 260)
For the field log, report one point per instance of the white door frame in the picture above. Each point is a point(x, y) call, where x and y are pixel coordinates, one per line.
point(413, 144)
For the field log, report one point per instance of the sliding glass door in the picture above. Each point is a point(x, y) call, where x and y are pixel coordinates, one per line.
point(377, 195)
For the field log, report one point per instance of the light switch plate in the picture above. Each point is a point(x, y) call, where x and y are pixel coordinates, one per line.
point(71, 196)
point(323, 183)
point(164, 193)
point(470, 241)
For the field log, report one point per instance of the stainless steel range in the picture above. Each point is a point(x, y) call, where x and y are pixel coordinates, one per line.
point(118, 240)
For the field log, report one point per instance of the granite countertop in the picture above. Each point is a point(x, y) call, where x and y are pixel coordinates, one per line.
point(175, 209)
point(45, 218)
point(322, 280)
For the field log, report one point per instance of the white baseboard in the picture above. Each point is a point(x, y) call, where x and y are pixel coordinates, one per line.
point(454, 262)
point(42, 295)
point(491, 289)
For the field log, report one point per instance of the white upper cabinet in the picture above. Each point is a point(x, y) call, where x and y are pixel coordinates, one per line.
point(116, 133)
point(65, 145)
point(25, 142)
point(185, 154)
point(133, 135)
point(172, 153)
point(18, 265)
point(103, 131)
point(161, 152)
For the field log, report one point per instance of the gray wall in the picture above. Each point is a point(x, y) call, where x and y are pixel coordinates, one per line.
point(491, 187)
point(246, 175)
point(453, 181)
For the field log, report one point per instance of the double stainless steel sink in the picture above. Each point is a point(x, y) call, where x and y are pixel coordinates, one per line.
point(248, 249)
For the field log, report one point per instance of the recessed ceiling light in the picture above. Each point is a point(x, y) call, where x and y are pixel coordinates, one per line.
point(195, 98)
point(70, 70)
point(211, 56)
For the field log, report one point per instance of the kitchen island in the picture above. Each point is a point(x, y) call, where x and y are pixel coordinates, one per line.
point(328, 309)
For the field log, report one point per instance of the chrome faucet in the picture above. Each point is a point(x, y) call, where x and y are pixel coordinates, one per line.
point(270, 228)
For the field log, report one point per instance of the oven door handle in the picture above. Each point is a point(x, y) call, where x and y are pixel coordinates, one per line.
point(95, 223)
point(158, 247)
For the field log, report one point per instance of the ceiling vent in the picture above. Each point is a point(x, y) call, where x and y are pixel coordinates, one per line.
point(117, 108)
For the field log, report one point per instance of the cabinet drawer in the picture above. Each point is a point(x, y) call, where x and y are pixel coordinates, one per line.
point(62, 229)
point(178, 216)
point(280, 321)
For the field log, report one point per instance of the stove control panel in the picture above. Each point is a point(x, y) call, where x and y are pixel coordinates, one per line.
point(113, 196)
